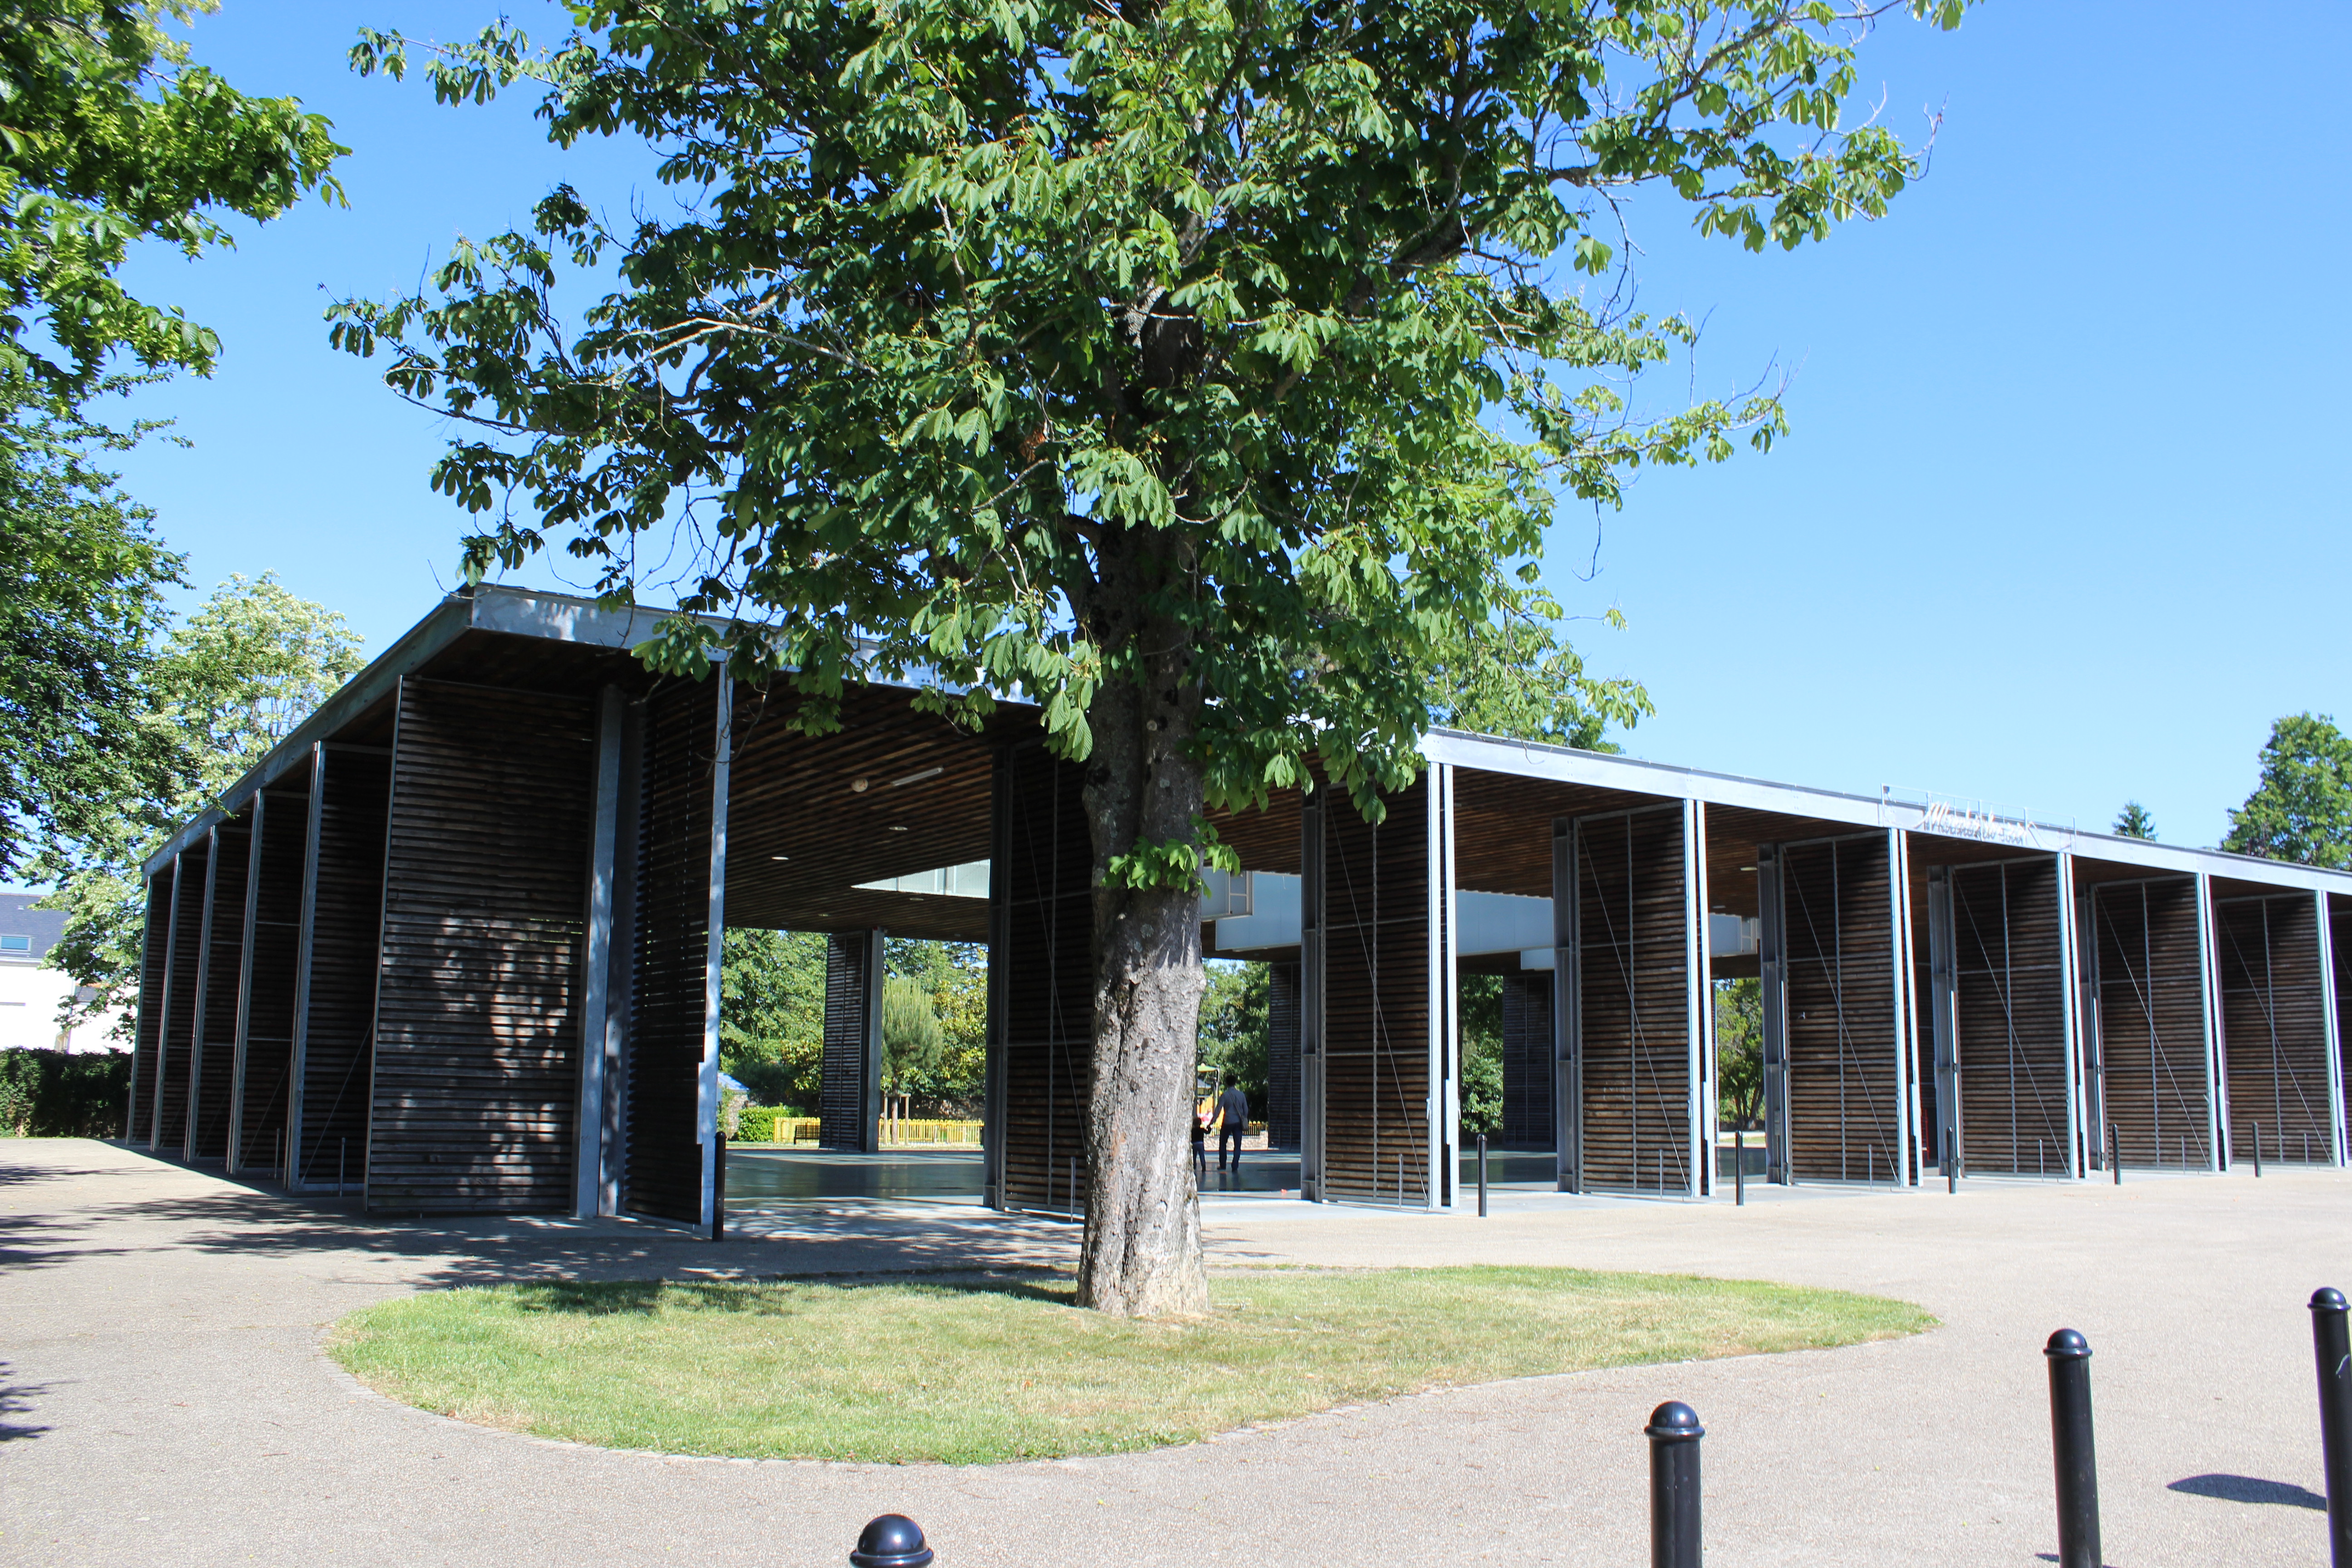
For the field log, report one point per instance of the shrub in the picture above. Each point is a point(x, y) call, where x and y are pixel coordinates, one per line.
point(59, 1094)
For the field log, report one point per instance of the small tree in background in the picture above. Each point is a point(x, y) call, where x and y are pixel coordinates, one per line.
point(2302, 809)
point(772, 1015)
point(1739, 1051)
point(2134, 821)
point(910, 1035)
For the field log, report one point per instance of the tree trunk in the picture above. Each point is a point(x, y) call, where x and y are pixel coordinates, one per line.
point(1141, 1254)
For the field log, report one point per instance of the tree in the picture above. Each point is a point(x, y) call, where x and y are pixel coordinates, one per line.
point(772, 1015)
point(953, 976)
point(108, 135)
point(911, 1034)
point(222, 689)
point(2134, 821)
point(2302, 809)
point(1236, 1027)
point(1195, 369)
point(1739, 1050)
point(81, 599)
point(1518, 676)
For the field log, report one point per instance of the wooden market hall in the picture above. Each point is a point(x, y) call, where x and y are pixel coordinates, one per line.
point(455, 946)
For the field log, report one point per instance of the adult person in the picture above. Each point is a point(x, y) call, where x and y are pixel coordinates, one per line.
point(1232, 1111)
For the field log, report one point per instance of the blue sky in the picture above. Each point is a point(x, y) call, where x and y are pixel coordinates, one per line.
point(2060, 521)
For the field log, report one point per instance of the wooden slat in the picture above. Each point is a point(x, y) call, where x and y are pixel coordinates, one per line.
point(344, 931)
point(1042, 980)
point(663, 1062)
point(1376, 999)
point(1840, 1042)
point(2273, 1029)
point(478, 1012)
point(146, 1050)
point(176, 1053)
point(1635, 1005)
point(841, 1098)
point(1528, 1052)
point(2151, 1022)
point(2011, 1015)
point(215, 1066)
point(283, 825)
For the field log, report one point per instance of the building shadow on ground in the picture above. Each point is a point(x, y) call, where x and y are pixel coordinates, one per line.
point(2249, 1489)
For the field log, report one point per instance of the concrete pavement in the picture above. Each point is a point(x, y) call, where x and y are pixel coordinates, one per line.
point(162, 1399)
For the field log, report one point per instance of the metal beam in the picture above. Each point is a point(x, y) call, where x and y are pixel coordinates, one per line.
point(299, 1058)
point(1906, 1046)
point(203, 993)
point(1772, 967)
point(163, 1024)
point(1701, 990)
point(873, 979)
point(1438, 1109)
point(1568, 1010)
point(1310, 998)
point(2333, 1028)
point(1943, 1002)
point(2216, 1076)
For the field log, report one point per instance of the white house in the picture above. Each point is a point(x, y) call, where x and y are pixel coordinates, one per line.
point(30, 992)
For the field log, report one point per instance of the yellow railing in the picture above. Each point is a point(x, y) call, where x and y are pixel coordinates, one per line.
point(911, 1132)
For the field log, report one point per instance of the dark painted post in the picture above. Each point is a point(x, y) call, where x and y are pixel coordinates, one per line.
point(2115, 1153)
point(2331, 1347)
point(1739, 1167)
point(1951, 1164)
point(1674, 1433)
point(2070, 1441)
point(893, 1540)
point(2258, 1151)
point(1482, 1175)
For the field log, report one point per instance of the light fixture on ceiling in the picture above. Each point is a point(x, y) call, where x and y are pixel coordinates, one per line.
point(917, 778)
point(859, 786)
point(896, 828)
point(778, 857)
point(1748, 868)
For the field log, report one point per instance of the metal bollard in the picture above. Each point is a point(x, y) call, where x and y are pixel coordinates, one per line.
point(2115, 1152)
point(2331, 1348)
point(1740, 1168)
point(1482, 1175)
point(1951, 1164)
point(2258, 1150)
point(2071, 1449)
point(893, 1540)
point(1674, 1433)
point(343, 1163)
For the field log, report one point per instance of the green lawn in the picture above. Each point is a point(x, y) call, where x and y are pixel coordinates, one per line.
point(976, 1371)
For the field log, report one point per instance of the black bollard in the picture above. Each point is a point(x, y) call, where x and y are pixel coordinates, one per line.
point(2258, 1150)
point(893, 1540)
point(1740, 1168)
point(1674, 1433)
point(1482, 1175)
point(2115, 1153)
point(2070, 1442)
point(1951, 1165)
point(2331, 1347)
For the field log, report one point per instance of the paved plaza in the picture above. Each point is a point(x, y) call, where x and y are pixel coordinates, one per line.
point(162, 1398)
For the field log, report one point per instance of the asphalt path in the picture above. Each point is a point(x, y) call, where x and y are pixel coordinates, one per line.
point(162, 1398)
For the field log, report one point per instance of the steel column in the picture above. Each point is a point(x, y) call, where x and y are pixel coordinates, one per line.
point(146, 1002)
point(1906, 1023)
point(1440, 1109)
point(163, 1028)
point(869, 1094)
point(2070, 1000)
point(2091, 1027)
point(706, 1097)
point(1943, 1000)
point(588, 1163)
point(2217, 1077)
point(1310, 998)
point(1772, 967)
point(197, 1019)
point(1567, 1012)
point(1701, 995)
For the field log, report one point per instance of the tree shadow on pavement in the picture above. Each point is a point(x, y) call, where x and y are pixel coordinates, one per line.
point(16, 1399)
point(2249, 1488)
point(607, 1297)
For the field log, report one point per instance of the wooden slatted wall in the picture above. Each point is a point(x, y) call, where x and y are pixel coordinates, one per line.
point(345, 924)
point(2273, 1029)
point(2011, 1015)
point(670, 953)
point(1840, 966)
point(215, 1067)
point(1282, 1055)
point(479, 1005)
point(2151, 1022)
point(841, 1098)
point(146, 1052)
point(1041, 981)
point(1634, 1004)
point(282, 831)
point(1376, 999)
point(176, 1060)
point(1527, 1051)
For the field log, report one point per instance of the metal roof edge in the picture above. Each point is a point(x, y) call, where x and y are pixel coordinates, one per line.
point(1568, 764)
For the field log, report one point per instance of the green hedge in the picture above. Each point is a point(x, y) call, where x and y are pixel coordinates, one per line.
point(58, 1094)
point(757, 1123)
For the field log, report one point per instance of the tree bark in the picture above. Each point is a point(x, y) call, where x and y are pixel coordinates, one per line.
point(1141, 1253)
